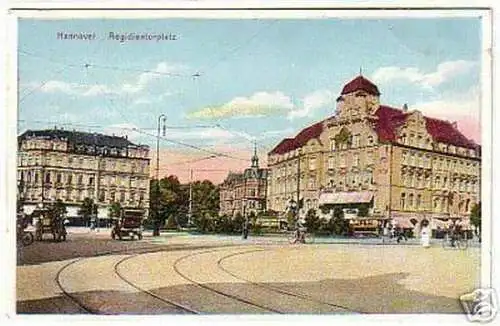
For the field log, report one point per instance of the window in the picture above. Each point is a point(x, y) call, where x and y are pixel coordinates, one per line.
point(419, 201)
point(369, 158)
point(80, 180)
point(403, 139)
point(69, 179)
point(412, 136)
point(356, 141)
point(370, 140)
point(36, 177)
point(58, 178)
point(445, 182)
point(91, 181)
point(101, 195)
point(405, 157)
point(412, 159)
point(331, 163)
point(467, 203)
point(47, 177)
point(332, 145)
point(437, 183)
point(403, 201)
point(437, 205)
point(312, 163)
point(410, 201)
point(342, 160)
point(122, 196)
point(355, 160)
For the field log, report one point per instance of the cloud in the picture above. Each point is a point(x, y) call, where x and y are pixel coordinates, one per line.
point(125, 130)
point(206, 134)
point(311, 102)
point(54, 86)
point(162, 70)
point(141, 83)
point(258, 104)
point(444, 72)
point(276, 133)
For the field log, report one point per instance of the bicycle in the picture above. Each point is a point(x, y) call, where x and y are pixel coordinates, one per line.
point(459, 241)
point(304, 237)
point(24, 238)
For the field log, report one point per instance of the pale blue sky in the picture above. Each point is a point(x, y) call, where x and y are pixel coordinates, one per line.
point(277, 75)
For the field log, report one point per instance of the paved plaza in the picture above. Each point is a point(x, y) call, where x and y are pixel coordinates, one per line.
point(179, 273)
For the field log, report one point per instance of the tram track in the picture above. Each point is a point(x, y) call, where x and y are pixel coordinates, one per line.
point(219, 292)
point(86, 309)
point(302, 296)
point(142, 290)
point(117, 270)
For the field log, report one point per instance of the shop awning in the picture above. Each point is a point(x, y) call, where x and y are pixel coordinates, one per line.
point(333, 198)
point(402, 223)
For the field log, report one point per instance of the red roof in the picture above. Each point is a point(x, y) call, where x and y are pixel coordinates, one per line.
point(290, 144)
point(389, 119)
point(444, 132)
point(360, 83)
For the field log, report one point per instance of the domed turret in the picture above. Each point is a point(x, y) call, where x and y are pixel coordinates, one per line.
point(360, 83)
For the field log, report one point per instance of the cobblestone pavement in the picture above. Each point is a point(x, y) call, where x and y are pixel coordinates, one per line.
point(179, 273)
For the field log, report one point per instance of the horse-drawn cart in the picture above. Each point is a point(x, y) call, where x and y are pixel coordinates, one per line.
point(49, 222)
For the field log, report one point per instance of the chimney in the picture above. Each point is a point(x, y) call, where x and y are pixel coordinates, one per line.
point(405, 107)
point(126, 137)
point(455, 124)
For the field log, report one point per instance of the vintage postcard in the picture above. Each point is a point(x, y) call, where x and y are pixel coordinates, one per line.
point(330, 163)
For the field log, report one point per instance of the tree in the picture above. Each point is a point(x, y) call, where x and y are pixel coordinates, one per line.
point(87, 209)
point(312, 221)
point(475, 218)
point(338, 224)
point(237, 223)
point(58, 208)
point(114, 210)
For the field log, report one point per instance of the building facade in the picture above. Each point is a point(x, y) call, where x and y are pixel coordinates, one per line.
point(244, 193)
point(398, 163)
point(70, 166)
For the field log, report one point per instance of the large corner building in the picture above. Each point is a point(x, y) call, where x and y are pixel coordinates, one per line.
point(244, 193)
point(57, 164)
point(398, 163)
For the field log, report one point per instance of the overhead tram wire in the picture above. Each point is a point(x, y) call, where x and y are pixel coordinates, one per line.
point(108, 67)
point(95, 126)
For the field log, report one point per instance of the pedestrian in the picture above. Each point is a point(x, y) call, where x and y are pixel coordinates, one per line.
point(245, 230)
point(425, 236)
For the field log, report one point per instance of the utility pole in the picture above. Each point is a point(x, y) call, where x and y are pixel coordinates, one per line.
point(161, 118)
point(298, 187)
point(190, 213)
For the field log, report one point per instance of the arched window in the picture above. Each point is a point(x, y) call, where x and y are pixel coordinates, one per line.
point(437, 205)
point(403, 201)
point(47, 177)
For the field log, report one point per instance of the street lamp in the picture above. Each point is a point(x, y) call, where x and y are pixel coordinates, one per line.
point(162, 118)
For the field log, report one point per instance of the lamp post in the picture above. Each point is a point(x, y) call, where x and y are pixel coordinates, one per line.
point(161, 119)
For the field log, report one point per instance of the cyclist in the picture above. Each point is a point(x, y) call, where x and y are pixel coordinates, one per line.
point(300, 231)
